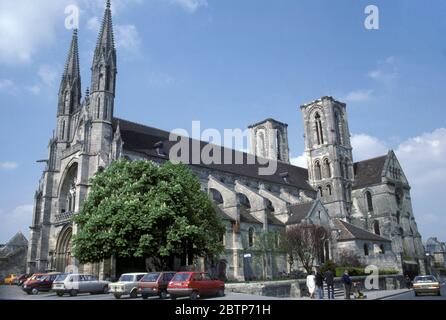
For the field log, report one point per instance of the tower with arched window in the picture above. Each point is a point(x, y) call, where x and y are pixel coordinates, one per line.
point(329, 154)
point(269, 140)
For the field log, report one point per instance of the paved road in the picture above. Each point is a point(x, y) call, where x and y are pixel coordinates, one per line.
point(411, 296)
point(16, 293)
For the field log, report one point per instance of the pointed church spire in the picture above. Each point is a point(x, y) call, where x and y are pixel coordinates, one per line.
point(70, 86)
point(106, 42)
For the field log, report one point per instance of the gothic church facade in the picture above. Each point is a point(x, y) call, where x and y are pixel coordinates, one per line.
point(366, 206)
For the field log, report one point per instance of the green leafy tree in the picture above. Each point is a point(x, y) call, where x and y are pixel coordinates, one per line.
point(139, 209)
point(264, 245)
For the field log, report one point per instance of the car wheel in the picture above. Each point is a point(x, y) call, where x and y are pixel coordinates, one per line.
point(134, 294)
point(117, 296)
point(173, 297)
point(34, 291)
point(221, 293)
point(194, 295)
point(59, 294)
point(163, 294)
point(144, 296)
point(73, 293)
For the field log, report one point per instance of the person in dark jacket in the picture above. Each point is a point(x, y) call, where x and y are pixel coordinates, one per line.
point(329, 280)
point(347, 284)
point(319, 279)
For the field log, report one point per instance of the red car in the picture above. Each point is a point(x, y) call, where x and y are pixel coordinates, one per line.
point(194, 285)
point(155, 284)
point(39, 282)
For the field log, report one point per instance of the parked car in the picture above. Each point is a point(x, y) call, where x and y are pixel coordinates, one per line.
point(79, 283)
point(155, 284)
point(11, 279)
point(426, 284)
point(22, 278)
point(39, 282)
point(126, 285)
point(194, 285)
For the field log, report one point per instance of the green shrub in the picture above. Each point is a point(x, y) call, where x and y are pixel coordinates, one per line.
point(328, 265)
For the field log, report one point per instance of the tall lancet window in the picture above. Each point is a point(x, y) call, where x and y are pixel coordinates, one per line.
point(279, 151)
point(98, 110)
point(260, 144)
point(319, 131)
point(107, 78)
point(317, 170)
point(327, 168)
point(338, 128)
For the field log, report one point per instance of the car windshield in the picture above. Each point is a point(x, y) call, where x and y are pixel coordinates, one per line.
point(425, 279)
point(181, 277)
point(151, 277)
point(127, 278)
point(61, 277)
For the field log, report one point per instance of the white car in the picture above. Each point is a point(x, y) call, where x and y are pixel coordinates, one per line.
point(126, 285)
point(78, 283)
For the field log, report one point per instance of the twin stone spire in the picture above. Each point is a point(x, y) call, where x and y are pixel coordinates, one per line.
point(104, 62)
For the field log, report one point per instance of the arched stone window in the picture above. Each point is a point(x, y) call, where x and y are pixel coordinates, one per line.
point(398, 217)
point(317, 170)
point(366, 249)
point(319, 131)
point(346, 169)
point(368, 196)
point(329, 191)
point(107, 78)
point(38, 209)
point(327, 169)
point(376, 227)
point(338, 128)
point(251, 237)
point(320, 192)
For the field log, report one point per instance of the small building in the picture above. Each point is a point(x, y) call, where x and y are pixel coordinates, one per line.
point(13, 255)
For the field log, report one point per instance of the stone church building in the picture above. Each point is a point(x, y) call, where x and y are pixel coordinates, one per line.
point(366, 206)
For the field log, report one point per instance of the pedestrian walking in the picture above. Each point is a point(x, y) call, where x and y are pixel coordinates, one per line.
point(347, 285)
point(311, 284)
point(319, 279)
point(329, 280)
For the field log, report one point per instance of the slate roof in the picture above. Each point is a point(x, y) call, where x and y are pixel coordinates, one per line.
point(368, 172)
point(17, 242)
point(351, 232)
point(299, 212)
point(143, 139)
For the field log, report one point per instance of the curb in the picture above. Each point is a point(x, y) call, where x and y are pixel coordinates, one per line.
point(393, 295)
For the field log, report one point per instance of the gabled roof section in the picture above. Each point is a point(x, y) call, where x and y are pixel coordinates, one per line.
point(300, 211)
point(150, 141)
point(369, 172)
point(350, 232)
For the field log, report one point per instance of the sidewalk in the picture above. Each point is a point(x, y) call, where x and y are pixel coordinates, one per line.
point(371, 295)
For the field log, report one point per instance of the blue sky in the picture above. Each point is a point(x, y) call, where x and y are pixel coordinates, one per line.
point(230, 63)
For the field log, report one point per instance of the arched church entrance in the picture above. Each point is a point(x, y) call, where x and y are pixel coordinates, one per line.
point(62, 255)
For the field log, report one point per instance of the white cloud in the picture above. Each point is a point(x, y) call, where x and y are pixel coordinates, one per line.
point(159, 80)
point(47, 74)
point(358, 96)
point(27, 25)
point(6, 83)
point(127, 38)
point(190, 6)
point(386, 71)
point(93, 24)
point(366, 147)
point(16, 220)
point(35, 89)
point(300, 161)
point(8, 165)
